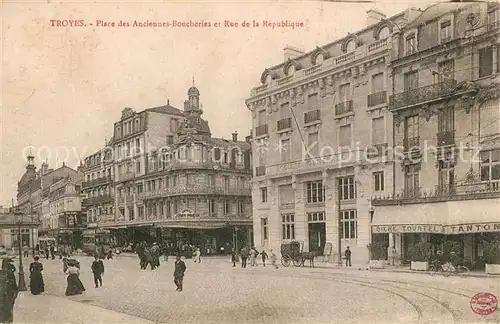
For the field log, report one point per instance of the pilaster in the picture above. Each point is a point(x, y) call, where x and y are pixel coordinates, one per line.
point(301, 228)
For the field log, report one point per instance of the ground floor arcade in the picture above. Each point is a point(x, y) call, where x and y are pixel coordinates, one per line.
point(210, 236)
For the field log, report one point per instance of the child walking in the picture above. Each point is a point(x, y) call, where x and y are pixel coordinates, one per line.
point(264, 257)
point(273, 259)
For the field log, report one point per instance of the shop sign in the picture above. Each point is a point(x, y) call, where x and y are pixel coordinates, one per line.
point(473, 228)
point(408, 229)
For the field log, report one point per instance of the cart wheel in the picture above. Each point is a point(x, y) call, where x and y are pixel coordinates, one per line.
point(298, 262)
point(285, 261)
point(462, 271)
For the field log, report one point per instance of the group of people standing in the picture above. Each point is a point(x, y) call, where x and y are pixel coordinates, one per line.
point(252, 253)
point(148, 255)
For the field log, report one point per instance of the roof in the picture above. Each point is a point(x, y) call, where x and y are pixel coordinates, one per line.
point(221, 142)
point(9, 220)
point(435, 11)
point(167, 109)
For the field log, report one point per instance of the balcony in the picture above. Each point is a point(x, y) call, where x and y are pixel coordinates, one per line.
point(343, 108)
point(127, 176)
point(261, 130)
point(377, 98)
point(423, 94)
point(284, 123)
point(184, 165)
point(127, 198)
point(446, 138)
point(99, 200)
point(260, 171)
point(312, 116)
point(411, 144)
point(372, 49)
point(463, 191)
point(194, 190)
point(377, 150)
point(96, 182)
point(288, 205)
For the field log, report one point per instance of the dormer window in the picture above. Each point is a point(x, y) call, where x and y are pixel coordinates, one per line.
point(319, 59)
point(445, 31)
point(410, 43)
point(351, 46)
point(384, 33)
point(291, 70)
point(268, 79)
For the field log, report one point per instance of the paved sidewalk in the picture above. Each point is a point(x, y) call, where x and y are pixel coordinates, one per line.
point(391, 268)
point(52, 309)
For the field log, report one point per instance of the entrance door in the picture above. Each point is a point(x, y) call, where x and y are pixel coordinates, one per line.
point(317, 237)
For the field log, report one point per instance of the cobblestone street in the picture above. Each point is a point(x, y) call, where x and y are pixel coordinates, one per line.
point(215, 292)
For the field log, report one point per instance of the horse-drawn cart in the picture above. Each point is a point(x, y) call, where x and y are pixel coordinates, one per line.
point(291, 252)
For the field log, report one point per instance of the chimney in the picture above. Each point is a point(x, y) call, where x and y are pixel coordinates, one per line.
point(235, 136)
point(374, 16)
point(292, 52)
point(45, 168)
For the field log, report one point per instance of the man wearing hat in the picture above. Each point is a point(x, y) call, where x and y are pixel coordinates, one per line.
point(179, 269)
point(8, 291)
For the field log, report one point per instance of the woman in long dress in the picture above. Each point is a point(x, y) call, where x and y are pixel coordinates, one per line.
point(37, 285)
point(75, 286)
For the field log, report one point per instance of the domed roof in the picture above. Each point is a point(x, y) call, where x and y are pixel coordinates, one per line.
point(193, 91)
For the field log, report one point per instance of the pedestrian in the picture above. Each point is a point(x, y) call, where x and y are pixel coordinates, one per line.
point(179, 270)
point(234, 257)
point(149, 259)
point(197, 255)
point(37, 249)
point(65, 264)
point(347, 257)
point(75, 286)
point(244, 257)
point(110, 253)
point(37, 286)
point(165, 252)
point(253, 257)
point(47, 252)
point(142, 256)
point(98, 270)
point(26, 250)
point(8, 292)
point(273, 259)
point(155, 255)
point(52, 252)
point(264, 257)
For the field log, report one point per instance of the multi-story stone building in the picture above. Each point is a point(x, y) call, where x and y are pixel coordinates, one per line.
point(98, 188)
point(33, 194)
point(445, 67)
point(189, 187)
point(321, 133)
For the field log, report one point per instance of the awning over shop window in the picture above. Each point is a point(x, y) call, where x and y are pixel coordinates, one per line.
point(452, 217)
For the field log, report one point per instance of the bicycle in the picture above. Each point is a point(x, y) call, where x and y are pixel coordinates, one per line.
point(447, 269)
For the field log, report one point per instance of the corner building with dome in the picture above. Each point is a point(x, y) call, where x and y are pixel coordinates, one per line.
point(172, 182)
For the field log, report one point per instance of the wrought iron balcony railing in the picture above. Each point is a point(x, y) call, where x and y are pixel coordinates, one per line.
point(446, 138)
point(448, 192)
point(261, 130)
point(260, 171)
point(95, 182)
point(312, 116)
point(194, 190)
point(343, 108)
point(412, 144)
point(284, 123)
point(99, 200)
point(422, 94)
point(377, 98)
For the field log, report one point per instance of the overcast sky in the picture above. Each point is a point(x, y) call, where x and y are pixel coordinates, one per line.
point(63, 88)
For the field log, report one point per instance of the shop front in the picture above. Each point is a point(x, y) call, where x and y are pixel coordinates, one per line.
point(469, 223)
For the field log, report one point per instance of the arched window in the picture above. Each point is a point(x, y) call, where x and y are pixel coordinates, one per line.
point(384, 32)
point(351, 46)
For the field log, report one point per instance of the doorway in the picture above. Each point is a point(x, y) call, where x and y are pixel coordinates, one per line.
point(317, 237)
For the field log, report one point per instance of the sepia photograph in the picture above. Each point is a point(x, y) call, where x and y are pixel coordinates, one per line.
point(282, 162)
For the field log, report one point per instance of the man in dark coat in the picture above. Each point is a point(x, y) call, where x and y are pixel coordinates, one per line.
point(244, 256)
point(348, 257)
point(98, 271)
point(8, 292)
point(180, 268)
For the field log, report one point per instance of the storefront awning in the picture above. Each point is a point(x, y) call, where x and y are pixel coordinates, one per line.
point(451, 217)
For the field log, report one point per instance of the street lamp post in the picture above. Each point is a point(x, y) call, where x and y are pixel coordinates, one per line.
point(371, 211)
point(21, 283)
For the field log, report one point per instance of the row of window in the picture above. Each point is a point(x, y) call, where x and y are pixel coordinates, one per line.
point(105, 190)
point(169, 208)
point(99, 174)
point(315, 190)
point(348, 219)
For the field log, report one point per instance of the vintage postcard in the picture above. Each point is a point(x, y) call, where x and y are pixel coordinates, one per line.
point(250, 162)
